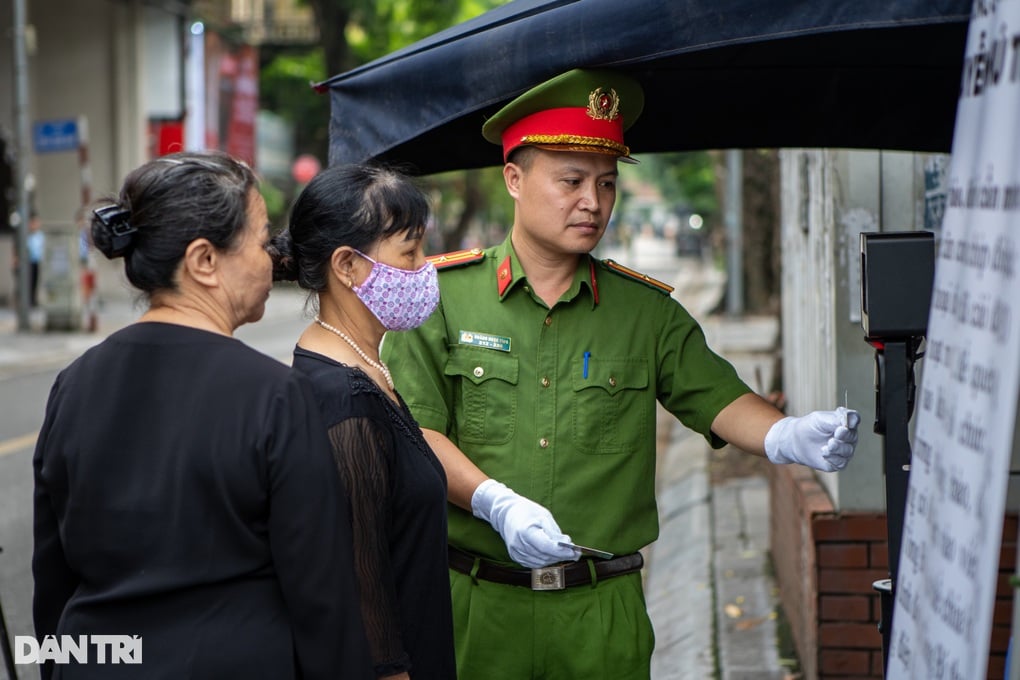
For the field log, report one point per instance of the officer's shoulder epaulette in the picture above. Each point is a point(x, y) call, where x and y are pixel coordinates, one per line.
point(457, 258)
point(614, 266)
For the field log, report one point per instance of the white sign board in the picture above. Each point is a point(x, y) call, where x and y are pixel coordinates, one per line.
point(948, 568)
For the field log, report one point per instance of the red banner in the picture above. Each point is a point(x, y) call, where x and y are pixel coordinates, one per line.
point(232, 92)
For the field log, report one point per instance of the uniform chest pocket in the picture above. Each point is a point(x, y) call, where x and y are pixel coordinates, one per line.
point(487, 387)
point(611, 406)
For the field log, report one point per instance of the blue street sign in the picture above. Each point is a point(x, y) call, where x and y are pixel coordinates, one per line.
point(55, 135)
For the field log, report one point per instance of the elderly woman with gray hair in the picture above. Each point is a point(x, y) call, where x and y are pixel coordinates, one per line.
point(184, 486)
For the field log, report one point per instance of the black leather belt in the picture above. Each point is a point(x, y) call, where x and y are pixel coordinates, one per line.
point(555, 577)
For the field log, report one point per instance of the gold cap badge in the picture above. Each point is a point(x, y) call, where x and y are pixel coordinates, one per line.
point(603, 105)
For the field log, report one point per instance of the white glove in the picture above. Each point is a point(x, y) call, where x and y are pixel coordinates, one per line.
point(823, 440)
point(528, 529)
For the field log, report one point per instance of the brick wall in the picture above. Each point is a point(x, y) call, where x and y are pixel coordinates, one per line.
point(852, 555)
point(826, 565)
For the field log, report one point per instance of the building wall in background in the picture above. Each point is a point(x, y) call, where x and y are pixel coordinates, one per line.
point(119, 69)
point(84, 62)
point(828, 536)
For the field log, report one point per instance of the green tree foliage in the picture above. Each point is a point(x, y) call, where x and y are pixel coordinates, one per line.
point(687, 182)
point(384, 26)
point(687, 178)
point(470, 206)
point(354, 32)
point(285, 88)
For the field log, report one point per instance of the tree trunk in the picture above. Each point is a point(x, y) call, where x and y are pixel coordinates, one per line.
point(761, 231)
point(473, 200)
point(332, 17)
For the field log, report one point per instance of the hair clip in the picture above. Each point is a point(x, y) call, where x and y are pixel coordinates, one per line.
point(116, 219)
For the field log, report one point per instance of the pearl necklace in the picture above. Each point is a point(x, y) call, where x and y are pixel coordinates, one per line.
point(361, 353)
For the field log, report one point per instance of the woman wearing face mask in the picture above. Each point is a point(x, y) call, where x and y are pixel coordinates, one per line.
point(355, 243)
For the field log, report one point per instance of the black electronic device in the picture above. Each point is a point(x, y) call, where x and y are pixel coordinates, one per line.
point(897, 276)
point(897, 272)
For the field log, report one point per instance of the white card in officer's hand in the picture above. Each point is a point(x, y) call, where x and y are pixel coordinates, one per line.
point(590, 552)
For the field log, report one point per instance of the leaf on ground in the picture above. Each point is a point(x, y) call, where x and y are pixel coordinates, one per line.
point(748, 624)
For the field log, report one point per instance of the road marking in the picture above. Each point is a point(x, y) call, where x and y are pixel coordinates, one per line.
point(18, 443)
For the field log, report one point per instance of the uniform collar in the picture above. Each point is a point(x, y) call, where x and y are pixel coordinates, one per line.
point(510, 274)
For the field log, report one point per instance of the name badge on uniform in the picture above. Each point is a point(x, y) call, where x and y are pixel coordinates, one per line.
point(485, 340)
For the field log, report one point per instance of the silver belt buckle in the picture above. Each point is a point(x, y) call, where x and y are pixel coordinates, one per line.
point(548, 578)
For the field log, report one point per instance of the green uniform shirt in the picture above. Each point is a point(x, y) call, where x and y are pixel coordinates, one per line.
point(506, 378)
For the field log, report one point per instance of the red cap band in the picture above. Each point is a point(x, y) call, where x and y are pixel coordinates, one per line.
point(571, 126)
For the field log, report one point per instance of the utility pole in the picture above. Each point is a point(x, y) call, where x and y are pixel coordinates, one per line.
point(21, 160)
point(734, 232)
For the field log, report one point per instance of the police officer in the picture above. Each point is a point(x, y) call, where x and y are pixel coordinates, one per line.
point(536, 384)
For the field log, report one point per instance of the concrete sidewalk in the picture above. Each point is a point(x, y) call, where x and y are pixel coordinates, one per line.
point(709, 593)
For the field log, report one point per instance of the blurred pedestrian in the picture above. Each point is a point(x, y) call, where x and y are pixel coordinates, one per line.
point(184, 487)
point(355, 242)
point(537, 382)
point(35, 244)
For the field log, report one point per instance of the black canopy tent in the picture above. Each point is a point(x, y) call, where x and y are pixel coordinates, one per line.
point(717, 74)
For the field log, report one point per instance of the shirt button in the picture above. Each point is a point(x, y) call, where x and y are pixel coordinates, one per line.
point(612, 381)
point(479, 371)
point(548, 321)
point(545, 382)
point(543, 442)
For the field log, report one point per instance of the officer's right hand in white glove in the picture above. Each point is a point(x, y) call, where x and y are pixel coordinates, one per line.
point(823, 440)
point(528, 529)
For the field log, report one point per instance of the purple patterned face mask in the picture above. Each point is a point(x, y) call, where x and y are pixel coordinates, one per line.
point(401, 299)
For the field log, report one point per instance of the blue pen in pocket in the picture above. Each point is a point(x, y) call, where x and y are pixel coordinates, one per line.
point(587, 356)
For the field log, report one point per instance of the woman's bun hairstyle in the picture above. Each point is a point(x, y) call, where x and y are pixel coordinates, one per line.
point(285, 267)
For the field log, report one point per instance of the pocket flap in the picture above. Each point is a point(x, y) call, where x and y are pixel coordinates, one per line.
point(479, 365)
point(612, 375)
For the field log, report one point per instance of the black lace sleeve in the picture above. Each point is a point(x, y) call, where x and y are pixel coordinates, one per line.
point(363, 454)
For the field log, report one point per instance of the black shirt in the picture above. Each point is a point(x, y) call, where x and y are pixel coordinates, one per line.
point(398, 494)
point(185, 493)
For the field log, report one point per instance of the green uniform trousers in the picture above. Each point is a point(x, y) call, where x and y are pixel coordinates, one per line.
point(505, 632)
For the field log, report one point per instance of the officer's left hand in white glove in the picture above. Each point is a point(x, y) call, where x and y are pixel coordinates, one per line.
point(823, 440)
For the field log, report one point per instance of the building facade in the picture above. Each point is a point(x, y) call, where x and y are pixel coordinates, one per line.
point(111, 84)
point(829, 538)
